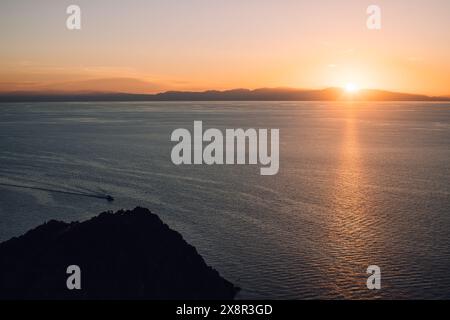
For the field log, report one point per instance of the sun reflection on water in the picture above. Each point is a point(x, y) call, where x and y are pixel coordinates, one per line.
point(349, 230)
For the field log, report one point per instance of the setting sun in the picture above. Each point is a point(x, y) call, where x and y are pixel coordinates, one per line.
point(351, 87)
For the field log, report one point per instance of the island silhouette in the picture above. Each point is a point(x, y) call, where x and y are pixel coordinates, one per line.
point(262, 94)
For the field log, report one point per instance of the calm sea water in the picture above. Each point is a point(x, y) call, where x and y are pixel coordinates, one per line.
point(359, 184)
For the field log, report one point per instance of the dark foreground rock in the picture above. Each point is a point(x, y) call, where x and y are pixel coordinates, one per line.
point(125, 255)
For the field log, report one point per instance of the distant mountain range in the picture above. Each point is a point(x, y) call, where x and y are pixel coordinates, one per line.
point(264, 94)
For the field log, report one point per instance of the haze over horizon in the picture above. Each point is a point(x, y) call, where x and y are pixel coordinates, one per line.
point(157, 46)
point(115, 89)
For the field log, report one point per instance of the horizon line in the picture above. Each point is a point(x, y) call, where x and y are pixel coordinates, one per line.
point(236, 94)
point(341, 88)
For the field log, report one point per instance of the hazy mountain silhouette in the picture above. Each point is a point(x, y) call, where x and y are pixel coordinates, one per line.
point(263, 94)
point(90, 86)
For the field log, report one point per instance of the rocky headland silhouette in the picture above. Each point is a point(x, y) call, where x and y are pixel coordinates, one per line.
point(124, 255)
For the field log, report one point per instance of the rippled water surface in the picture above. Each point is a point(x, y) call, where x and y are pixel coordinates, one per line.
point(359, 184)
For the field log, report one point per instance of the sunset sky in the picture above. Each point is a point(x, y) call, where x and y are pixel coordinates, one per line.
point(157, 45)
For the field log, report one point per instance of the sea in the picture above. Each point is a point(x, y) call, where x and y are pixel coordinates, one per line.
point(359, 184)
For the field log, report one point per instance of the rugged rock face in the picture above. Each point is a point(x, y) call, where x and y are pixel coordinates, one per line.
point(122, 255)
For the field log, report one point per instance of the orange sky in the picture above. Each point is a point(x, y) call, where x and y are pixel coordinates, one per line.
point(151, 46)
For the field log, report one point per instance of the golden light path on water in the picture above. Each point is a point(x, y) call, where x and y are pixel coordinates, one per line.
point(351, 226)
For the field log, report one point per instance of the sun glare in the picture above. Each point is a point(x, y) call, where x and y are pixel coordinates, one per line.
point(351, 87)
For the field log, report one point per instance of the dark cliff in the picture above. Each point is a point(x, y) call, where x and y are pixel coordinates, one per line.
point(122, 255)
